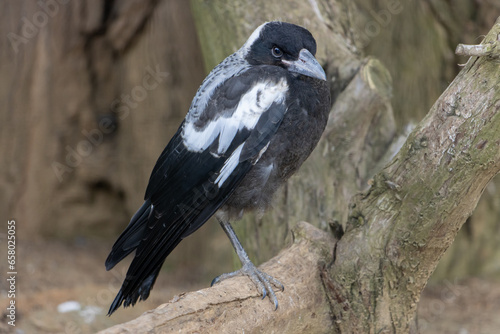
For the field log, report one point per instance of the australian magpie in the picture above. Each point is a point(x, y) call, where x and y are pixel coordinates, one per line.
point(254, 120)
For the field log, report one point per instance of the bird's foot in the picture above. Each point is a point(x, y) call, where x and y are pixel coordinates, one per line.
point(262, 280)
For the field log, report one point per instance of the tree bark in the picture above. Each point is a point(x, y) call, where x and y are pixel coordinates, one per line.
point(396, 231)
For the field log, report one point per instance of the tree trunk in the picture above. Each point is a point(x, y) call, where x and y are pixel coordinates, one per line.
point(396, 231)
point(399, 229)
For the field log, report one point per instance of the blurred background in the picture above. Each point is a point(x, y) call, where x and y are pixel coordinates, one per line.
point(90, 93)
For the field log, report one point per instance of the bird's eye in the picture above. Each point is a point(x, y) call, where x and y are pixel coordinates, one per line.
point(276, 51)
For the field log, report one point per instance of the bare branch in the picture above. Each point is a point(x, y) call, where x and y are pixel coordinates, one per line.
point(490, 49)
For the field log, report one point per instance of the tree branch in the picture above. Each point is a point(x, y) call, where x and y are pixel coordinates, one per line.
point(491, 49)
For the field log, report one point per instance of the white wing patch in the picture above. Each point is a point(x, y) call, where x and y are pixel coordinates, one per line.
point(250, 108)
point(229, 166)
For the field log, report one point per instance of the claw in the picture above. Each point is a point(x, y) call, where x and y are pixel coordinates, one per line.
point(214, 281)
point(224, 276)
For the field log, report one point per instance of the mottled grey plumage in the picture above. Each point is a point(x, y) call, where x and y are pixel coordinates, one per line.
point(255, 119)
point(292, 144)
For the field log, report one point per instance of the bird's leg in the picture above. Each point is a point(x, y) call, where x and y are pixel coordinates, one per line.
point(261, 280)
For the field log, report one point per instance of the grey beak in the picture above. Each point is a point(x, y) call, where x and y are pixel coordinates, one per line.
point(306, 65)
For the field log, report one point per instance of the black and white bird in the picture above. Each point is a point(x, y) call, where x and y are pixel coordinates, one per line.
point(254, 120)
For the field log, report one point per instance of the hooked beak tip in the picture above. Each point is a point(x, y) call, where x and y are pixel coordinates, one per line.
point(306, 65)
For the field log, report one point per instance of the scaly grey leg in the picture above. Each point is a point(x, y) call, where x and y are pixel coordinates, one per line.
point(261, 280)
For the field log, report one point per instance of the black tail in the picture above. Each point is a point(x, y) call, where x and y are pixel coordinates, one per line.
point(128, 241)
point(153, 241)
point(155, 230)
point(141, 277)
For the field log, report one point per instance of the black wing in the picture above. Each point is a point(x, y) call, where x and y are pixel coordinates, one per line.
point(198, 170)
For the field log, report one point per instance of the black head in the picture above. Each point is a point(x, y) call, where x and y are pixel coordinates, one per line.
point(286, 45)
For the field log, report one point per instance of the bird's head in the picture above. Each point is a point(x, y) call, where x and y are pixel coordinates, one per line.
point(286, 45)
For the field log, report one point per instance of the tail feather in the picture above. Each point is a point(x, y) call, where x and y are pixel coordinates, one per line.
point(141, 293)
point(131, 237)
